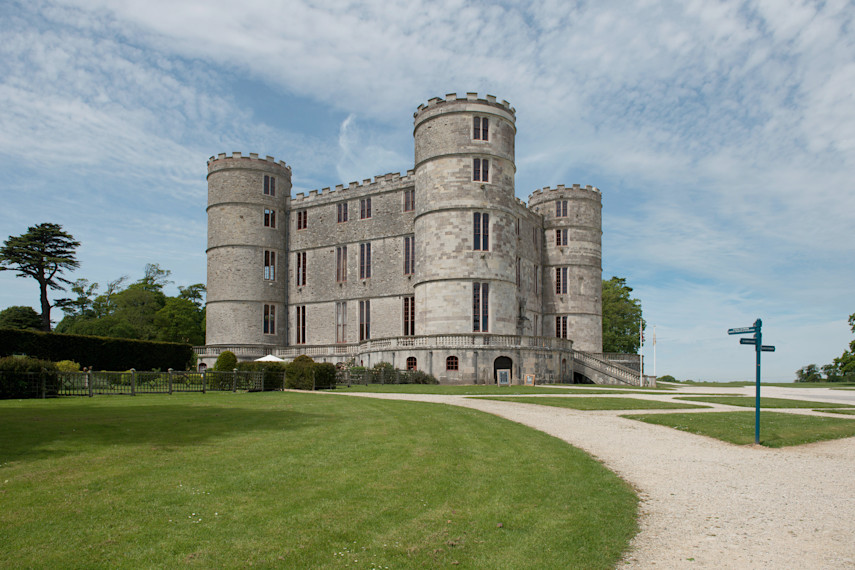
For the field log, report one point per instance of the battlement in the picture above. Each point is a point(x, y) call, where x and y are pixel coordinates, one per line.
point(435, 102)
point(546, 194)
point(367, 186)
point(253, 156)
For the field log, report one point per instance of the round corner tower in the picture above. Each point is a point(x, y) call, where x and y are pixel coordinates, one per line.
point(572, 253)
point(464, 185)
point(248, 201)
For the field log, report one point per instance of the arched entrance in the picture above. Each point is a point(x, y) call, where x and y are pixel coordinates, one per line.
point(501, 363)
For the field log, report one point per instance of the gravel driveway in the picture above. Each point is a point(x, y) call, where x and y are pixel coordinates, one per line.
point(710, 504)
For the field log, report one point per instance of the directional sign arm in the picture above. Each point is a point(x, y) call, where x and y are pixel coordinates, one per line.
point(742, 330)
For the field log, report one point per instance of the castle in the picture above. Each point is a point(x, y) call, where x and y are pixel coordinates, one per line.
point(442, 269)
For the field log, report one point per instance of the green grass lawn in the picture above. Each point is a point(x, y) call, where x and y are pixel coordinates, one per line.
point(482, 389)
point(749, 402)
point(296, 481)
point(595, 403)
point(844, 412)
point(776, 429)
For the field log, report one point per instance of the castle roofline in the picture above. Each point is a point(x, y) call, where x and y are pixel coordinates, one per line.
point(491, 100)
point(546, 193)
point(379, 182)
point(253, 156)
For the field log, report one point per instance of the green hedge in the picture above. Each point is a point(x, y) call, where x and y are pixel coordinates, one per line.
point(27, 378)
point(274, 373)
point(101, 353)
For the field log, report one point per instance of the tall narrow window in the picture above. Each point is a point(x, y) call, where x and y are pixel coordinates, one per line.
point(409, 199)
point(301, 268)
point(561, 327)
point(480, 307)
point(341, 211)
point(536, 279)
point(480, 128)
point(269, 265)
point(364, 320)
point(341, 322)
point(409, 316)
point(561, 208)
point(300, 325)
point(481, 231)
point(341, 264)
point(480, 170)
point(302, 219)
point(268, 324)
point(519, 272)
point(365, 208)
point(561, 237)
point(365, 260)
point(561, 280)
point(269, 185)
point(409, 255)
point(269, 218)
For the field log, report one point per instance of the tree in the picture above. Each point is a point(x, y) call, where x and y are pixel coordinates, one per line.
point(20, 318)
point(82, 306)
point(44, 252)
point(179, 321)
point(621, 317)
point(155, 278)
point(809, 373)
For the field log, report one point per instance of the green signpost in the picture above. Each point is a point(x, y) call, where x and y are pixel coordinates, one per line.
point(757, 341)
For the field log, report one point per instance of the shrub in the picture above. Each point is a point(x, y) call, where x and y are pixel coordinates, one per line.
point(324, 376)
point(226, 361)
point(68, 366)
point(299, 373)
point(273, 373)
point(23, 377)
point(666, 378)
point(421, 377)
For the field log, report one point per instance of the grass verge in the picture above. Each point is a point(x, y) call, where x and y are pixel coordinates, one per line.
point(776, 429)
point(296, 481)
point(481, 389)
point(590, 404)
point(749, 402)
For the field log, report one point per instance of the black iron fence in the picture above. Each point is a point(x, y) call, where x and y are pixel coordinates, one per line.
point(48, 384)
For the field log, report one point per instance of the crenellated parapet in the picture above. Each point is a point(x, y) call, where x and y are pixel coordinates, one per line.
point(380, 183)
point(548, 194)
point(253, 161)
point(437, 102)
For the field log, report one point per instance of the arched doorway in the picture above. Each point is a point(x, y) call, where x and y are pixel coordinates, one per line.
point(501, 363)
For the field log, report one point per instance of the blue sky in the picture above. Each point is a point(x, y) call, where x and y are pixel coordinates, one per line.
point(721, 133)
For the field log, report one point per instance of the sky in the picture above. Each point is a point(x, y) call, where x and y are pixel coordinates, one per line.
point(721, 134)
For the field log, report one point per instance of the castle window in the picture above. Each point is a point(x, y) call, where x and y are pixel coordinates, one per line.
point(365, 208)
point(451, 363)
point(481, 231)
point(409, 199)
point(480, 128)
point(269, 218)
point(301, 269)
point(561, 280)
point(268, 324)
point(341, 210)
point(269, 265)
point(536, 278)
point(364, 320)
point(302, 219)
point(480, 307)
point(341, 322)
point(341, 264)
point(409, 316)
point(561, 208)
point(480, 170)
point(561, 237)
point(561, 327)
point(365, 260)
point(300, 325)
point(411, 363)
point(409, 255)
point(269, 185)
point(519, 272)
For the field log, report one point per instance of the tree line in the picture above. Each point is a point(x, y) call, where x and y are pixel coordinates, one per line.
point(841, 369)
point(138, 310)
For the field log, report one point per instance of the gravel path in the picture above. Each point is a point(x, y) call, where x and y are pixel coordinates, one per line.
point(706, 503)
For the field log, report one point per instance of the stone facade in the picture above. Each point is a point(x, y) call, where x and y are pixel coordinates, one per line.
point(442, 268)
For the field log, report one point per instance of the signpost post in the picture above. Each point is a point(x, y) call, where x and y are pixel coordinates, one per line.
point(757, 341)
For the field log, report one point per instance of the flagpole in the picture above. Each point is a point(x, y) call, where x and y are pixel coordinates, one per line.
point(654, 351)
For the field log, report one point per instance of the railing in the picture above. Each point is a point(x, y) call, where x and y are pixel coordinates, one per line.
point(423, 341)
point(615, 371)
